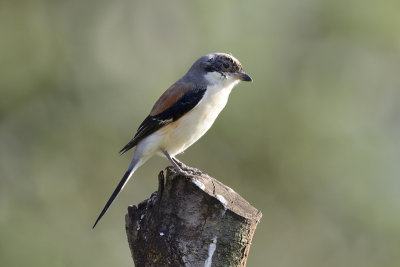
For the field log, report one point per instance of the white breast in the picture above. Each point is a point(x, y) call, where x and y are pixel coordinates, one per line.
point(179, 135)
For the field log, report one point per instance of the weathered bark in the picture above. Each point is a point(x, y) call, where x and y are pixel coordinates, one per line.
point(191, 221)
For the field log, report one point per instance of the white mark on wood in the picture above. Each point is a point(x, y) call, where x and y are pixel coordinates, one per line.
point(140, 220)
point(199, 184)
point(184, 260)
point(230, 189)
point(211, 250)
point(222, 200)
point(161, 233)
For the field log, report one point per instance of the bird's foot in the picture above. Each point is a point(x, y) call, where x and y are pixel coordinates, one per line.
point(181, 168)
point(186, 170)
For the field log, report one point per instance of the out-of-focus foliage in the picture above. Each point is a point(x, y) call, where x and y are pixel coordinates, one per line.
point(313, 142)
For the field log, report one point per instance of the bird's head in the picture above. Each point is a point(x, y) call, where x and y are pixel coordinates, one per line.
point(219, 68)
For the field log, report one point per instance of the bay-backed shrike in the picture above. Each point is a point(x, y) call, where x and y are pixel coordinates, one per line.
point(183, 114)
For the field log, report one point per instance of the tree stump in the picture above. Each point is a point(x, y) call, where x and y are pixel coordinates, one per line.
point(191, 220)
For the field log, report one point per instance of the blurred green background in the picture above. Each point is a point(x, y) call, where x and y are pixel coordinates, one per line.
point(313, 142)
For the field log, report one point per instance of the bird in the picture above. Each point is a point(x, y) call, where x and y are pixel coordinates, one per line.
point(183, 114)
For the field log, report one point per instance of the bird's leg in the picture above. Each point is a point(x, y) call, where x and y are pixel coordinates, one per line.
point(175, 164)
point(180, 163)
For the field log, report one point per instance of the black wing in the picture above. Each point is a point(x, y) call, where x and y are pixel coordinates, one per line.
point(152, 123)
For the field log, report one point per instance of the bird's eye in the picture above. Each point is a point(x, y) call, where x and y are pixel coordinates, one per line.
point(226, 65)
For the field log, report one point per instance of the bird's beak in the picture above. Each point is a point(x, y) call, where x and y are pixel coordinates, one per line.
point(243, 76)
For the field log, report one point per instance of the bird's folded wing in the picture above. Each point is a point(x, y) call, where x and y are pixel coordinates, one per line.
point(172, 105)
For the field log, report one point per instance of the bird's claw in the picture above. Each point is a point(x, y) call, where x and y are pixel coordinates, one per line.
point(185, 170)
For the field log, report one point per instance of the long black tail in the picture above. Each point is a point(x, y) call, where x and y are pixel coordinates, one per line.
point(118, 189)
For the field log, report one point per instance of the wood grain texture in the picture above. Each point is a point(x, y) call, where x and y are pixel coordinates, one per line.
point(191, 221)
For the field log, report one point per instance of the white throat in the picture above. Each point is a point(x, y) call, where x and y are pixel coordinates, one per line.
point(217, 79)
point(218, 91)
